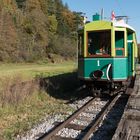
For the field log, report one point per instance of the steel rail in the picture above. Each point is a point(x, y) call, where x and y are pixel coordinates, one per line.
point(54, 131)
point(99, 118)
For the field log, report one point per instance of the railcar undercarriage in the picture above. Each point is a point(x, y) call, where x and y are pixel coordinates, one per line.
point(99, 88)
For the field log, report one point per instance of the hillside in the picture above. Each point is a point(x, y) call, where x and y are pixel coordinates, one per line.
point(31, 30)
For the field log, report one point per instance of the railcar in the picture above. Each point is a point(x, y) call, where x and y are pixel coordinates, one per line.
point(107, 54)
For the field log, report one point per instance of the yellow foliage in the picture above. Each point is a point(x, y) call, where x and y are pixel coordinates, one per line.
point(69, 18)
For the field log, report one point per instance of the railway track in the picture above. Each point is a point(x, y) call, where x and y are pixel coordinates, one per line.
point(124, 129)
point(85, 131)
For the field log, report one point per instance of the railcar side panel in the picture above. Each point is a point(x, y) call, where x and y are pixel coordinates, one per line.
point(81, 68)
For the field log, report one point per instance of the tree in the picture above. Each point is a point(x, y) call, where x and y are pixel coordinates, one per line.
point(21, 3)
point(66, 6)
point(78, 19)
point(51, 7)
point(52, 24)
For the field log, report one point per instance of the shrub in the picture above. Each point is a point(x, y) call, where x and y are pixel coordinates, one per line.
point(63, 46)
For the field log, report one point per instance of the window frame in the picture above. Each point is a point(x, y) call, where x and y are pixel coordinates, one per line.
point(98, 55)
point(81, 45)
point(117, 48)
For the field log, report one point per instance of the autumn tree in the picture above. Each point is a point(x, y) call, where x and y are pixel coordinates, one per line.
point(37, 27)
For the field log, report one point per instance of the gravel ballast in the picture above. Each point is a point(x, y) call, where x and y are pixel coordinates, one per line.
point(48, 123)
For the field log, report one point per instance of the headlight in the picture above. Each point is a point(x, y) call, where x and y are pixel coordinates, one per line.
point(97, 74)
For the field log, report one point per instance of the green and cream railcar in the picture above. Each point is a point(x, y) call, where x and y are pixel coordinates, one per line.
point(107, 53)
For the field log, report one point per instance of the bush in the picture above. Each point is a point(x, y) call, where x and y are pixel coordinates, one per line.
point(63, 46)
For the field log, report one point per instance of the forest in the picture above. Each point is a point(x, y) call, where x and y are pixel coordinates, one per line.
point(32, 30)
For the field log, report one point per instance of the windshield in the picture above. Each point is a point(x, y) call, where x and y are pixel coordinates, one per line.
point(99, 43)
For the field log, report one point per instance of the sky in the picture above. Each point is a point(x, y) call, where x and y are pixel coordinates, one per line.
point(130, 8)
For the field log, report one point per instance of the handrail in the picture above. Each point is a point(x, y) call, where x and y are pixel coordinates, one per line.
point(107, 72)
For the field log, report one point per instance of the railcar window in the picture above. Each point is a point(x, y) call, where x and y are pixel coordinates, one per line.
point(80, 45)
point(119, 43)
point(99, 43)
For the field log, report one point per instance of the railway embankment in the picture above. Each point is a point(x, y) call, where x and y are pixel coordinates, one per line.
point(129, 126)
point(25, 103)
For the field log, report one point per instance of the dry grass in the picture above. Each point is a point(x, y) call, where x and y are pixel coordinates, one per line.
point(23, 103)
point(14, 91)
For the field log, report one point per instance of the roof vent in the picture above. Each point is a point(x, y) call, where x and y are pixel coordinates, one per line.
point(96, 17)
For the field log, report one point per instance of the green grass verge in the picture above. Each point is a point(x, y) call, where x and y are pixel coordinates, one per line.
point(29, 71)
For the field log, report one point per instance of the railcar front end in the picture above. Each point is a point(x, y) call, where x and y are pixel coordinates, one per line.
point(106, 55)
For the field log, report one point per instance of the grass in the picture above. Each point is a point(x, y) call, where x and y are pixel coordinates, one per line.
point(15, 120)
point(29, 71)
point(23, 105)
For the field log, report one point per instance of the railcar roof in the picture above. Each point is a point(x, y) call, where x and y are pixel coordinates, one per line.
point(121, 23)
point(103, 25)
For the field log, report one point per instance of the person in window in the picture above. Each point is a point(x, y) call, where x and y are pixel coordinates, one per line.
point(105, 47)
